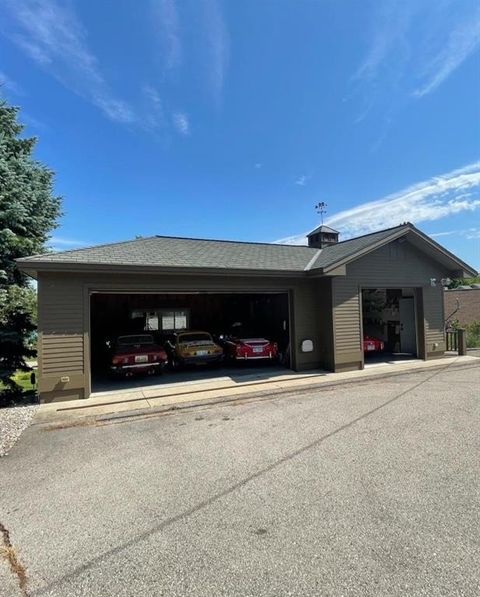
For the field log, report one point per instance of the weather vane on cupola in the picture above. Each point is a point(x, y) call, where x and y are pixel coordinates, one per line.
point(321, 209)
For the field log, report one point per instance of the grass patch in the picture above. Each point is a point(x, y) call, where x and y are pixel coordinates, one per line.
point(23, 380)
point(27, 394)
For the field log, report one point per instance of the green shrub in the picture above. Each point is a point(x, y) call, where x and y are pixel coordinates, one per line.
point(473, 334)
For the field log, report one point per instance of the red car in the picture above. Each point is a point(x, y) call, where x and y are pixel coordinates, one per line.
point(243, 346)
point(137, 353)
point(372, 344)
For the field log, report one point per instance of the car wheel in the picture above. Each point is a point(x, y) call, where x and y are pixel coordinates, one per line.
point(174, 364)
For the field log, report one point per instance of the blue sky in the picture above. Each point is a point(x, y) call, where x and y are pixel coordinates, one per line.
point(226, 119)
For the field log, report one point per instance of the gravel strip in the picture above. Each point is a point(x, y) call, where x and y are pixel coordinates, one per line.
point(13, 422)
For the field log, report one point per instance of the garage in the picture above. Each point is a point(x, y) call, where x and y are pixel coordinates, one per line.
point(220, 314)
point(316, 302)
point(389, 324)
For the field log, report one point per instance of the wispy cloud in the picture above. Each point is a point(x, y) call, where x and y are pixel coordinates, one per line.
point(61, 243)
point(8, 84)
point(462, 41)
point(166, 21)
point(469, 233)
point(414, 47)
point(52, 35)
point(427, 201)
point(473, 233)
point(218, 47)
point(181, 123)
point(257, 166)
point(302, 180)
point(445, 233)
point(28, 120)
point(154, 112)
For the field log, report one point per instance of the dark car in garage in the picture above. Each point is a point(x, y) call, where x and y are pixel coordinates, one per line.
point(372, 344)
point(136, 353)
point(242, 344)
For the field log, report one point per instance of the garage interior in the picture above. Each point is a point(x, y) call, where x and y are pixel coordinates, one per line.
point(115, 314)
point(389, 315)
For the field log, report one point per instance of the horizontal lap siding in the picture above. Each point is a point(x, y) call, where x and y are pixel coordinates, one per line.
point(400, 265)
point(346, 321)
point(61, 326)
point(434, 318)
point(396, 264)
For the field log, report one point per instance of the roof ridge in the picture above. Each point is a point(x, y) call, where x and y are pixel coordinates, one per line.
point(347, 240)
point(217, 240)
point(309, 265)
point(235, 242)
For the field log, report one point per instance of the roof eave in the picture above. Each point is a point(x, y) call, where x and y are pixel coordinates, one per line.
point(34, 268)
point(457, 264)
point(356, 255)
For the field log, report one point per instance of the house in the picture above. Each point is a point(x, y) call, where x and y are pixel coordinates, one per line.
point(318, 301)
point(462, 304)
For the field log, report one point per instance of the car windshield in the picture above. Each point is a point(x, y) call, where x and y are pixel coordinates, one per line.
point(243, 332)
point(133, 340)
point(199, 337)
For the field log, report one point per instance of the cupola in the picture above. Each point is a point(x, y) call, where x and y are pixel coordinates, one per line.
point(322, 237)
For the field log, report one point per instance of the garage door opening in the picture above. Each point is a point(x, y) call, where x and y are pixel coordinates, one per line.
point(389, 325)
point(163, 316)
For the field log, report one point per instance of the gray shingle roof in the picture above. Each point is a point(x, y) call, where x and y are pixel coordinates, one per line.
point(323, 228)
point(164, 251)
point(342, 250)
point(172, 252)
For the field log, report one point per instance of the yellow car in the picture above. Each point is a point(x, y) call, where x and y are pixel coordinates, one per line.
point(192, 348)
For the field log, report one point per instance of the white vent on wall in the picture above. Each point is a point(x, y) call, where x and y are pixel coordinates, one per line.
point(307, 346)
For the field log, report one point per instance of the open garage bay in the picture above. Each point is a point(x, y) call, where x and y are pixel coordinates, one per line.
point(264, 315)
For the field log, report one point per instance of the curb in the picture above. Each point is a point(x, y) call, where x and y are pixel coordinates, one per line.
point(260, 396)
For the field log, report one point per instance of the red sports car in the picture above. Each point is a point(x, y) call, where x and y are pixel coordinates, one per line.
point(137, 353)
point(244, 346)
point(372, 344)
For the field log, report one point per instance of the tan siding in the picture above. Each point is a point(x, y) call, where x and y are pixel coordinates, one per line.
point(434, 319)
point(61, 327)
point(326, 311)
point(396, 265)
point(323, 302)
point(64, 319)
point(346, 319)
point(306, 326)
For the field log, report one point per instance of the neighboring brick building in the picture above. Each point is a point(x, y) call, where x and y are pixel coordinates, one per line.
point(469, 302)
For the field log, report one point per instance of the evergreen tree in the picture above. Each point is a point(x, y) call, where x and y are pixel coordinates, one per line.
point(28, 212)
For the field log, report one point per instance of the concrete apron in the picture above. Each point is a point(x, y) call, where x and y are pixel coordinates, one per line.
point(147, 401)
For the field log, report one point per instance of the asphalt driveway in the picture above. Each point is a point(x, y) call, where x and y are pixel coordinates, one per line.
point(365, 489)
